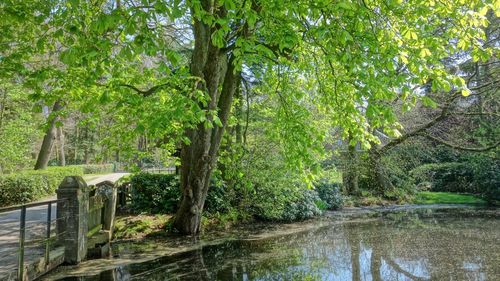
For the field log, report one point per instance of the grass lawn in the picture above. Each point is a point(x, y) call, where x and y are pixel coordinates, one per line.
point(427, 197)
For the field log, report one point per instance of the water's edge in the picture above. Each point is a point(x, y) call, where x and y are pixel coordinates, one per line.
point(149, 249)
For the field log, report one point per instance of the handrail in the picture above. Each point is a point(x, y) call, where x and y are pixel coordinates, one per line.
point(22, 231)
point(29, 205)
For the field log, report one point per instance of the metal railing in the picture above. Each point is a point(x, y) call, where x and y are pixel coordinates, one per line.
point(46, 241)
point(159, 170)
point(124, 195)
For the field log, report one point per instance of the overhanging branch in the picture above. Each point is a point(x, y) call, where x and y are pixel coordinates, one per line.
point(454, 146)
point(145, 93)
point(154, 89)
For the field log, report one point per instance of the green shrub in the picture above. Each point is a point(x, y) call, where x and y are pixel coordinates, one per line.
point(305, 206)
point(220, 199)
point(97, 168)
point(160, 193)
point(486, 176)
point(284, 204)
point(55, 175)
point(449, 177)
point(330, 193)
point(155, 193)
point(28, 186)
point(18, 189)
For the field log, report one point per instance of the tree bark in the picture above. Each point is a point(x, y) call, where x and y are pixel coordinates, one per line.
point(239, 115)
point(62, 155)
point(77, 142)
point(86, 150)
point(198, 158)
point(48, 140)
point(350, 173)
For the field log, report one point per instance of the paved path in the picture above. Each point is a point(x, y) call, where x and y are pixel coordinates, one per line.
point(109, 177)
point(36, 223)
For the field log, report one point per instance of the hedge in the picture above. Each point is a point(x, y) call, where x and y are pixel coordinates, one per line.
point(479, 175)
point(155, 193)
point(161, 193)
point(450, 177)
point(27, 186)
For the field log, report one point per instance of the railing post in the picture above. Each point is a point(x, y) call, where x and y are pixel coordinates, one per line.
point(72, 218)
point(22, 235)
point(47, 236)
point(109, 190)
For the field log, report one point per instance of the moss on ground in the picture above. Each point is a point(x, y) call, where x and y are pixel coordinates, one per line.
point(139, 226)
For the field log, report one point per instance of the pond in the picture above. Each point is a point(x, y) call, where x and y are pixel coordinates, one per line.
point(412, 245)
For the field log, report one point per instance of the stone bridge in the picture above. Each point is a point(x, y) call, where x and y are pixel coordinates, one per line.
point(82, 228)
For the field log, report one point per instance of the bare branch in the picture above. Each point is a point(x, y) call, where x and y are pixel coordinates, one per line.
point(454, 146)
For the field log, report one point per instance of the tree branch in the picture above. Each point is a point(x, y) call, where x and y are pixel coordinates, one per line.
point(443, 115)
point(145, 93)
point(473, 149)
point(154, 89)
point(415, 132)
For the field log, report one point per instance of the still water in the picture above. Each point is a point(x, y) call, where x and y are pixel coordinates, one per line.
point(411, 245)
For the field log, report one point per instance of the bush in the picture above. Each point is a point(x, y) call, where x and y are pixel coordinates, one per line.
point(305, 206)
point(160, 193)
point(220, 199)
point(55, 175)
point(285, 204)
point(479, 174)
point(97, 168)
point(330, 193)
point(27, 186)
point(450, 177)
point(155, 193)
point(486, 176)
point(18, 189)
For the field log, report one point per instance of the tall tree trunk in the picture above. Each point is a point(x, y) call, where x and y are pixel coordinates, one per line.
point(48, 140)
point(239, 115)
point(3, 104)
point(62, 155)
point(199, 157)
point(86, 150)
point(77, 142)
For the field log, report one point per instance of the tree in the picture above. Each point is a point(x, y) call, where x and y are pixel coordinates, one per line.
point(18, 128)
point(184, 60)
point(49, 138)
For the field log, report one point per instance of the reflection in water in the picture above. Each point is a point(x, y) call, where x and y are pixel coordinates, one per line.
point(414, 245)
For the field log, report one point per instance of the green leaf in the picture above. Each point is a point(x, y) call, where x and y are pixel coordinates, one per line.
point(424, 52)
point(217, 121)
point(426, 101)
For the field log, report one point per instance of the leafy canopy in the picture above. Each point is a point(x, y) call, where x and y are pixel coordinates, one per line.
point(339, 63)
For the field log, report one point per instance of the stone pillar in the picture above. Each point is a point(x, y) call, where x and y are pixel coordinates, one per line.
point(72, 217)
point(109, 191)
